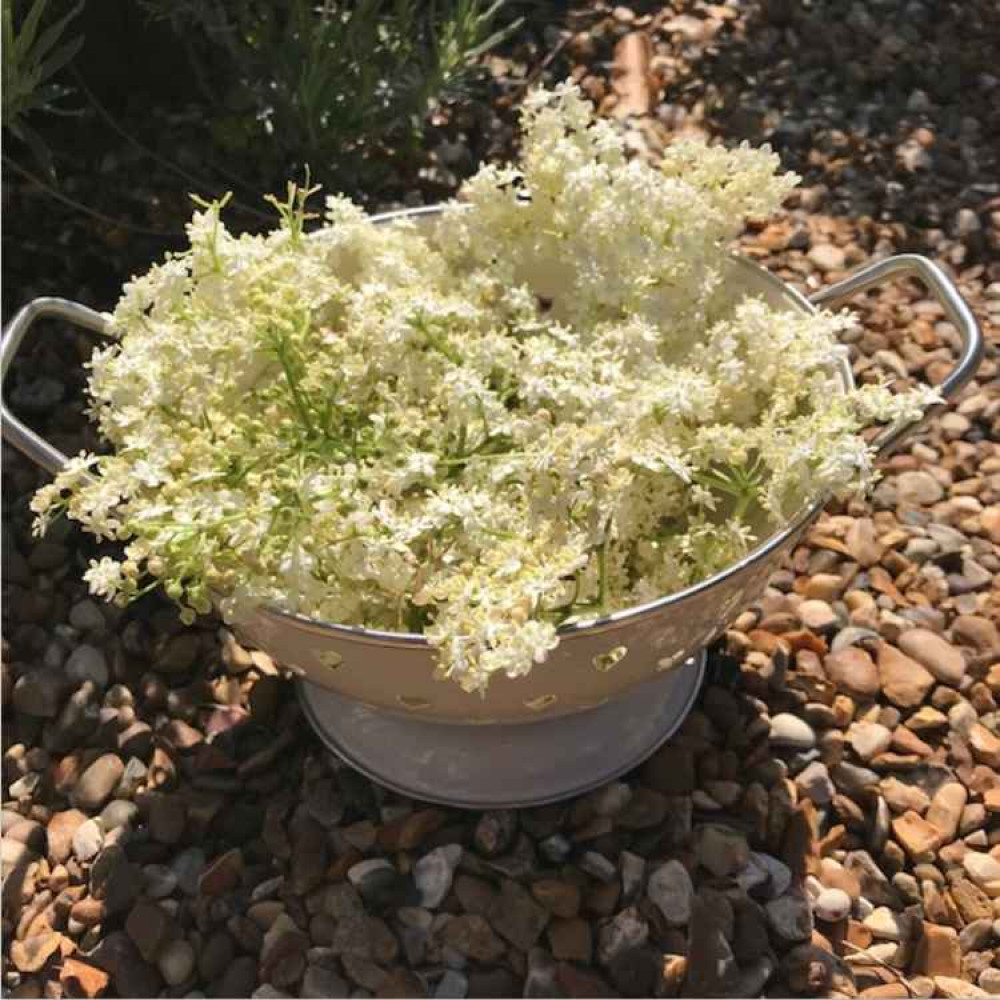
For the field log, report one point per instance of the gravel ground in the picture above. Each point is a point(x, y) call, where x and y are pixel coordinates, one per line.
point(827, 820)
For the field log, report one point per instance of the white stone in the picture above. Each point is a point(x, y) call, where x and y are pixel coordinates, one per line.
point(869, 739)
point(87, 840)
point(832, 905)
point(984, 870)
point(789, 730)
point(434, 872)
point(884, 924)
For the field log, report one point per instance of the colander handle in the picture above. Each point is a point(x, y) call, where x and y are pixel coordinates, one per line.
point(18, 434)
point(914, 266)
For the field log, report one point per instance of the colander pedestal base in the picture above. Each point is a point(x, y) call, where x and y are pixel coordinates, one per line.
point(494, 766)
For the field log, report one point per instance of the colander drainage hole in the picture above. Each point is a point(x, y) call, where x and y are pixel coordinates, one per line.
point(414, 704)
point(541, 703)
point(605, 661)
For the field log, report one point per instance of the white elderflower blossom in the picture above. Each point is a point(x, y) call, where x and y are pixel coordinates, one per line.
point(542, 407)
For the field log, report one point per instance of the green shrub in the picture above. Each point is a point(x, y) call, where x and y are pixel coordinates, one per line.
point(336, 85)
point(31, 58)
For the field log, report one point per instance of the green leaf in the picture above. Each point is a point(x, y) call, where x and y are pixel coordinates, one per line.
point(53, 33)
point(29, 27)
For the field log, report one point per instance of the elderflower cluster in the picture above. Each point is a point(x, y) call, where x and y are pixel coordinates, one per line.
point(543, 405)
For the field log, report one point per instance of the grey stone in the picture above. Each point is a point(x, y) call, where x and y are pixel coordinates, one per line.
point(87, 663)
point(671, 889)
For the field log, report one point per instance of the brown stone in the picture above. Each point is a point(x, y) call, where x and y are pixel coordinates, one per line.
point(938, 952)
point(904, 681)
point(902, 797)
point(223, 874)
point(399, 984)
point(862, 542)
point(985, 746)
point(853, 671)
point(945, 810)
point(472, 936)
point(60, 830)
point(906, 742)
point(956, 988)
point(602, 898)
point(835, 876)
point(560, 898)
point(413, 830)
point(570, 940)
point(939, 656)
point(81, 978)
point(857, 934)
point(886, 990)
point(917, 836)
point(970, 901)
point(31, 953)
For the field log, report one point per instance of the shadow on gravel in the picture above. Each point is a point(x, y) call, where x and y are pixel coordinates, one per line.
point(893, 106)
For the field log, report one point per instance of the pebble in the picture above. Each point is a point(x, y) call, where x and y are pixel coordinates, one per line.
point(434, 872)
point(562, 899)
point(625, 932)
point(472, 936)
point(150, 927)
point(919, 839)
point(159, 881)
point(516, 916)
point(942, 659)
point(814, 782)
point(883, 923)
point(671, 890)
point(918, 488)
point(452, 986)
point(599, 866)
point(59, 833)
point(985, 746)
point(989, 980)
point(984, 870)
point(721, 850)
point(946, 808)
point(853, 671)
point(494, 832)
point(40, 692)
point(87, 663)
point(87, 840)
point(869, 739)
point(790, 916)
point(904, 681)
point(321, 983)
point(832, 905)
point(790, 731)
point(96, 784)
point(828, 257)
point(176, 962)
point(86, 616)
point(188, 866)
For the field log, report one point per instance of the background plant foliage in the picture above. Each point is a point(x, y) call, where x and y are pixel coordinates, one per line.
point(335, 85)
point(32, 55)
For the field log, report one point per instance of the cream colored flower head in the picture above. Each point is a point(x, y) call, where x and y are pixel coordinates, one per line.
point(544, 404)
